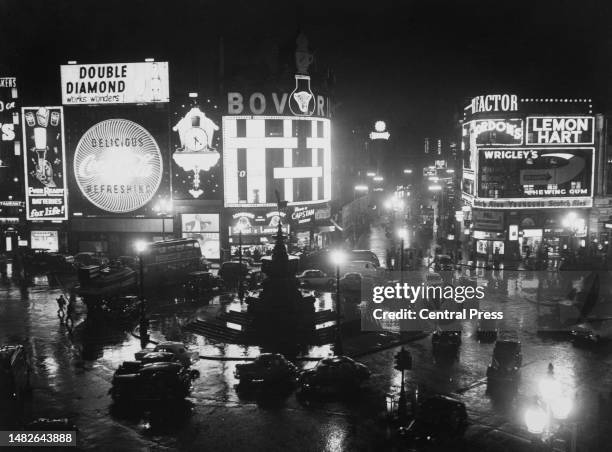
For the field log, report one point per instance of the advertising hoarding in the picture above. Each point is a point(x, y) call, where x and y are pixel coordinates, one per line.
point(117, 83)
point(488, 220)
point(560, 130)
point(263, 155)
point(204, 227)
point(117, 166)
point(44, 163)
point(196, 160)
point(507, 132)
point(11, 161)
point(48, 240)
point(536, 173)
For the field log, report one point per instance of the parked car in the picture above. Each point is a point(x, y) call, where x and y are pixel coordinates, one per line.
point(443, 262)
point(267, 368)
point(87, 258)
point(446, 341)
point(158, 381)
point(487, 330)
point(335, 373)
point(365, 268)
point(185, 356)
point(351, 282)
point(316, 279)
point(363, 255)
point(441, 422)
point(14, 371)
point(232, 271)
point(200, 282)
point(254, 279)
point(506, 361)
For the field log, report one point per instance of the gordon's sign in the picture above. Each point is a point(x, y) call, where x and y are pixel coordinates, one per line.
point(118, 165)
point(121, 83)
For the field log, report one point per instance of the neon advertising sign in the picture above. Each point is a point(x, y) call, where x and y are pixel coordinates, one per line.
point(493, 103)
point(118, 165)
point(500, 131)
point(560, 130)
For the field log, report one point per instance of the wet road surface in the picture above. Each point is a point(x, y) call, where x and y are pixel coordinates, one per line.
point(73, 371)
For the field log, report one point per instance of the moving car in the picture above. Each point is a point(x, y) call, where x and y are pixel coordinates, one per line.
point(443, 262)
point(267, 368)
point(446, 341)
point(157, 381)
point(316, 279)
point(351, 282)
point(506, 362)
point(185, 356)
point(233, 271)
point(365, 268)
point(441, 422)
point(336, 373)
point(87, 258)
point(14, 371)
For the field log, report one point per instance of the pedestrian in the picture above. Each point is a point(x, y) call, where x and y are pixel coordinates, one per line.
point(61, 302)
point(70, 312)
point(551, 369)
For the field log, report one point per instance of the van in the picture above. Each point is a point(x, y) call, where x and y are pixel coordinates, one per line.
point(364, 268)
point(14, 371)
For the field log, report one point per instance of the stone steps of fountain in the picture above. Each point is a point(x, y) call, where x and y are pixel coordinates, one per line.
point(214, 329)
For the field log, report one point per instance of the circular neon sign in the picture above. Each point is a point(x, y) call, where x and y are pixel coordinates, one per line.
point(118, 165)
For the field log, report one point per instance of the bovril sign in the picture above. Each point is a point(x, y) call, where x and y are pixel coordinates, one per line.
point(259, 103)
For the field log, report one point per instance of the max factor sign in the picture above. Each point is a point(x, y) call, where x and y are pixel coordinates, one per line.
point(493, 103)
point(560, 130)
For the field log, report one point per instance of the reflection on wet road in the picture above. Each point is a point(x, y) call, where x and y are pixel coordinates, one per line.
point(73, 370)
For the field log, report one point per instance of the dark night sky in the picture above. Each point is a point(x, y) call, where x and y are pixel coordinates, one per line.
point(412, 65)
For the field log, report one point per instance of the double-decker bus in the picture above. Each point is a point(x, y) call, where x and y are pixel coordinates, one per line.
point(170, 261)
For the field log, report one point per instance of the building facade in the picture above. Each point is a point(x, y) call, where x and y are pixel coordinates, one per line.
point(531, 177)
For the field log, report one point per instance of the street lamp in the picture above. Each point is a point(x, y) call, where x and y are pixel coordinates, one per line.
point(551, 405)
point(338, 257)
point(141, 247)
point(163, 207)
point(574, 224)
point(402, 233)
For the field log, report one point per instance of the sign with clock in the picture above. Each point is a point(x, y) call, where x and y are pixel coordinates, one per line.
point(195, 159)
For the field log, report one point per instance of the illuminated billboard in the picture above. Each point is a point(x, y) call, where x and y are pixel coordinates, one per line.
point(196, 157)
point(44, 163)
point(560, 130)
point(118, 160)
point(536, 173)
point(204, 227)
point(11, 161)
point(117, 83)
point(492, 132)
point(118, 165)
point(263, 155)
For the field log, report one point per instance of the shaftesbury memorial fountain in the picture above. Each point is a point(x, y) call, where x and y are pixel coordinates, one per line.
point(279, 317)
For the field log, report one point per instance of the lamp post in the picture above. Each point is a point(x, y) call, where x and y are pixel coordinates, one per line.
point(240, 284)
point(144, 323)
point(403, 235)
point(573, 223)
point(163, 207)
point(551, 405)
point(338, 258)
